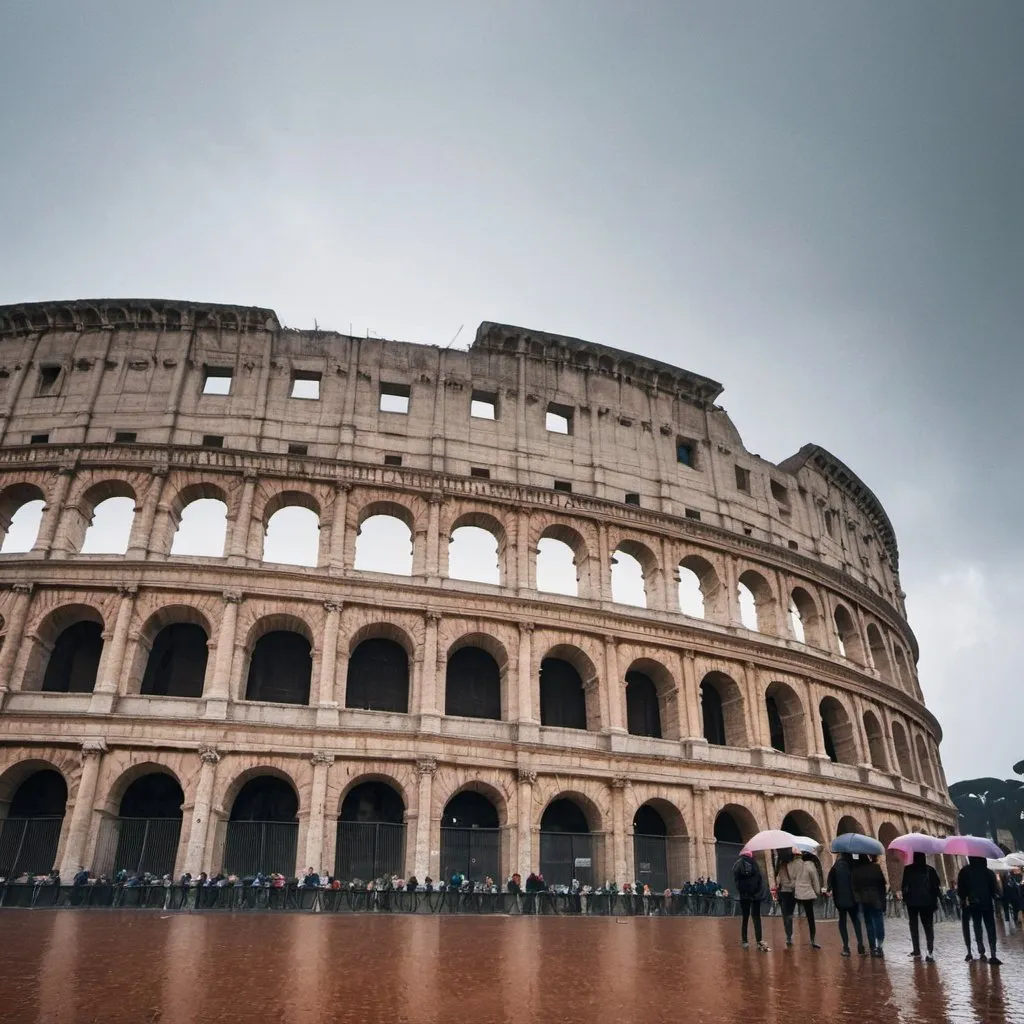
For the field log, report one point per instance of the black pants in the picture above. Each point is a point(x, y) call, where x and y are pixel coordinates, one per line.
point(977, 916)
point(751, 908)
point(808, 906)
point(927, 919)
point(787, 904)
point(854, 916)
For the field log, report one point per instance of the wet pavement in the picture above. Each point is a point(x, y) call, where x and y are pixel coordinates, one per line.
point(140, 967)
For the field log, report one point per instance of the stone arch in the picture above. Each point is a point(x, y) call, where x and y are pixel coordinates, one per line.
point(21, 514)
point(23, 768)
point(876, 741)
point(384, 539)
point(90, 491)
point(400, 781)
point(925, 761)
point(714, 600)
point(288, 538)
point(379, 668)
point(904, 758)
point(787, 719)
point(660, 844)
point(803, 823)
point(462, 549)
point(233, 785)
point(879, 653)
point(568, 694)
point(196, 661)
point(903, 672)
point(61, 657)
point(804, 609)
point(550, 570)
point(887, 832)
point(33, 805)
point(197, 521)
point(450, 781)
point(849, 823)
point(262, 806)
point(665, 696)
point(650, 585)
point(837, 731)
point(476, 681)
point(733, 826)
point(127, 774)
point(279, 660)
point(850, 643)
point(588, 807)
point(723, 714)
point(756, 611)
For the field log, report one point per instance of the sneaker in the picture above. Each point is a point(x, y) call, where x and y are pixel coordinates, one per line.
point(789, 942)
point(745, 944)
point(814, 945)
point(929, 959)
point(876, 952)
point(845, 952)
point(994, 961)
point(968, 958)
point(861, 951)
point(764, 947)
point(915, 953)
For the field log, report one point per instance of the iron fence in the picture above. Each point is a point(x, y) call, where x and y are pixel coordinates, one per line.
point(650, 854)
point(260, 847)
point(565, 856)
point(369, 849)
point(139, 845)
point(475, 852)
point(28, 844)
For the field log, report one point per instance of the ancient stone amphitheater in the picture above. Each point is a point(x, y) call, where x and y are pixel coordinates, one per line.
point(545, 610)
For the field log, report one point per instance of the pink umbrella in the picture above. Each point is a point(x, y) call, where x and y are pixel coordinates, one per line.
point(770, 839)
point(917, 842)
point(972, 846)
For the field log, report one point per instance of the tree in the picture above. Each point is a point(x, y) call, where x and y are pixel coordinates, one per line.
point(984, 806)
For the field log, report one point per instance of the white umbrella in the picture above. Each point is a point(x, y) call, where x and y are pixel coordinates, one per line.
point(998, 865)
point(1015, 860)
point(805, 844)
point(770, 839)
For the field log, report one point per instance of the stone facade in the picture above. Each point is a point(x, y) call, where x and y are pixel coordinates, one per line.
point(101, 399)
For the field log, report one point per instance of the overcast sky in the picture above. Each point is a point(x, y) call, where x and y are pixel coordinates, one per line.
point(818, 204)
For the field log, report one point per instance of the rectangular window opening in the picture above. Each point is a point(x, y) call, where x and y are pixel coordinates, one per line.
point(125, 437)
point(563, 485)
point(40, 439)
point(559, 419)
point(686, 452)
point(742, 479)
point(633, 499)
point(392, 460)
point(692, 513)
point(213, 441)
point(484, 405)
point(394, 398)
point(481, 472)
point(217, 380)
point(49, 380)
point(780, 493)
point(298, 449)
point(793, 546)
point(305, 384)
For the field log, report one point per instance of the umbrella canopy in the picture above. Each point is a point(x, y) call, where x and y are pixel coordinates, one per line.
point(805, 844)
point(972, 846)
point(770, 839)
point(1015, 860)
point(998, 865)
point(854, 842)
point(917, 842)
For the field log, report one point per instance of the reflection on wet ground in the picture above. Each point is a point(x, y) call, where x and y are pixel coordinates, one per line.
point(69, 967)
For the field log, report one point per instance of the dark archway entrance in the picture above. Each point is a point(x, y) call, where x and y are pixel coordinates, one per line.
point(263, 829)
point(143, 838)
point(280, 668)
point(566, 844)
point(75, 659)
point(472, 684)
point(713, 712)
point(562, 699)
point(371, 833)
point(378, 677)
point(176, 665)
point(650, 848)
point(30, 833)
point(643, 716)
point(470, 838)
point(776, 730)
point(728, 844)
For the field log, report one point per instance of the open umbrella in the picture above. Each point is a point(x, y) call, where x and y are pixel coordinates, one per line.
point(972, 846)
point(1015, 860)
point(917, 842)
point(998, 865)
point(770, 839)
point(805, 844)
point(854, 842)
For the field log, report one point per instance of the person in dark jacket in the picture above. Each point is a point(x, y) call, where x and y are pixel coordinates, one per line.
point(977, 888)
point(921, 889)
point(869, 890)
point(749, 885)
point(840, 885)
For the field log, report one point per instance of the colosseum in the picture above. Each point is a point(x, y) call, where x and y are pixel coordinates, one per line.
point(276, 598)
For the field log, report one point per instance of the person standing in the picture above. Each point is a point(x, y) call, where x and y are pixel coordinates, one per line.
point(786, 883)
point(869, 890)
point(840, 885)
point(751, 889)
point(921, 889)
point(806, 887)
point(977, 888)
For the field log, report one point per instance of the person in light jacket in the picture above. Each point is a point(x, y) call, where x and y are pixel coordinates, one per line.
point(806, 887)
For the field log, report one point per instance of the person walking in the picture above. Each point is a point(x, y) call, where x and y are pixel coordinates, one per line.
point(840, 885)
point(921, 889)
point(786, 884)
point(751, 889)
point(869, 889)
point(977, 888)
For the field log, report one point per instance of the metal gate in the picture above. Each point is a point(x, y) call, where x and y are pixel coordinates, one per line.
point(369, 849)
point(565, 856)
point(137, 844)
point(254, 847)
point(29, 844)
point(726, 855)
point(650, 860)
point(475, 852)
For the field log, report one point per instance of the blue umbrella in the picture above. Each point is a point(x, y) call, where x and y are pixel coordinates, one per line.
point(854, 842)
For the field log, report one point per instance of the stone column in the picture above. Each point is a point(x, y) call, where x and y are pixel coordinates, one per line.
point(430, 719)
point(142, 539)
point(528, 717)
point(326, 703)
point(601, 588)
point(760, 735)
point(112, 660)
point(15, 633)
point(690, 697)
point(425, 768)
point(195, 852)
point(220, 685)
point(339, 520)
point(321, 762)
point(526, 572)
point(704, 845)
point(621, 871)
point(81, 814)
point(52, 515)
point(433, 536)
point(524, 822)
point(615, 687)
point(239, 544)
point(670, 576)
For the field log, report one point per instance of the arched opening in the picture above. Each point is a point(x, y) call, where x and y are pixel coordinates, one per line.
point(280, 668)
point(848, 638)
point(21, 513)
point(748, 607)
point(371, 833)
point(848, 824)
point(925, 761)
point(887, 832)
point(837, 732)
point(643, 714)
point(176, 666)
point(292, 533)
point(202, 529)
point(474, 554)
point(734, 825)
point(796, 623)
point(110, 527)
point(561, 561)
point(470, 838)
point(75, 659)
point(804, 617)
point(903, 758)
point(755, 602)
point(143, 838)
point(563, 700)
point(905, 677)
point(263, 828)
point(691, 594)
point(566, 844)
point(786, 723)
point(876, 741)
point(378, 677)
point(721, 705)
point(30, 829)
point(384, 543)
point(800, 823)
point(879, 653)
point(472, 684)
point(628, 577)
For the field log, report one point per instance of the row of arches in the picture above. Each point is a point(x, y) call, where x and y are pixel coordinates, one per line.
point(203, 518)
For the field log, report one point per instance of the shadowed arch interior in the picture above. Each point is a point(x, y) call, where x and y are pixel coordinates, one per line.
point(837, 732)
point(43, 794)
point(177, 660)
point(371, 832)
point(265, 798)
point(30, 829)
point(262, 831)
point(280, 668)
point(143, 838)
point(155, 795)
point(472, 684)
point(786, 725)
point(75, 659)
point(562, 698)
point(378, 676)
point(643, 714)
